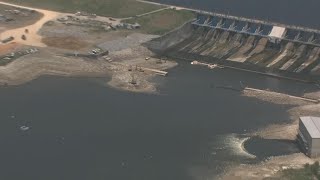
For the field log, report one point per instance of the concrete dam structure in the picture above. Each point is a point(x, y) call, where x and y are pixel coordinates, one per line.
point(248, 43)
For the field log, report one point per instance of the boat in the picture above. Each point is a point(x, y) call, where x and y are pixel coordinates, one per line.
point(194, 62)
point(212, 66)
point(24, 128)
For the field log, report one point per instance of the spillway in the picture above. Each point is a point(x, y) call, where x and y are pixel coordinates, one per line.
point(268, 46)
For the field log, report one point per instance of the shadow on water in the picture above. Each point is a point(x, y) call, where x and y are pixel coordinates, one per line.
point(264, 148)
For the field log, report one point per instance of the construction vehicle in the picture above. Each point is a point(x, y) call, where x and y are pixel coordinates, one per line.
point(23, 37)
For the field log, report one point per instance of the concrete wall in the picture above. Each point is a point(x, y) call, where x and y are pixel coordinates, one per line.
point(313, 144)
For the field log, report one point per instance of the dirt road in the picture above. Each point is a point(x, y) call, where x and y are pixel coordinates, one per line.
point(32, 37)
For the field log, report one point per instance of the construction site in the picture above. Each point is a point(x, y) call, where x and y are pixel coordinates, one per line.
point(224, 41)
point(37, 42)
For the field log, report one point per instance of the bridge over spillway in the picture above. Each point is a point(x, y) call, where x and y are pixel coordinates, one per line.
point(275, 32)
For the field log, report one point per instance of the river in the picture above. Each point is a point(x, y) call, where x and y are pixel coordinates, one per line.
point(82, 129)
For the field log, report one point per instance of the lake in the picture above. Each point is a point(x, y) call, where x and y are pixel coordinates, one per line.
point(82, 129)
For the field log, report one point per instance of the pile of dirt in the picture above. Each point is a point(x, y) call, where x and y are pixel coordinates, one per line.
point(71, 43)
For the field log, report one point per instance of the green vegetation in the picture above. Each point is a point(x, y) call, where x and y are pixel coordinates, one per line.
point(162, 21)
point(114, 8)
point(155, 23)
point(309, 172)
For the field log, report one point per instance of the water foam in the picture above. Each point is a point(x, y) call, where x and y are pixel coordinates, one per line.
point(233, 144)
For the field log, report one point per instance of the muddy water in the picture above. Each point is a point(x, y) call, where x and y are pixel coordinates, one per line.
point(33, 38)
point(81, 129)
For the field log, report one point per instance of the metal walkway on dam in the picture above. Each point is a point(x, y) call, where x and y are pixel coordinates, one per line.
point(275, 32)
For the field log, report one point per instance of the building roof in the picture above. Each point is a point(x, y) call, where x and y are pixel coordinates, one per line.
point(312, 125)
point(277, 32)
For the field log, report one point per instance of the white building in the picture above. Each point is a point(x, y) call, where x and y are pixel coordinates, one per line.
point(309, 135)
point(277, 33)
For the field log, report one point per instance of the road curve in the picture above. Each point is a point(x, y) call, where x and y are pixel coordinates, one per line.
point(33, 38)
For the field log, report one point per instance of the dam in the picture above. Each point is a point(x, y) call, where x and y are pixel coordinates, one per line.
point(248, 43)
point(274, 31)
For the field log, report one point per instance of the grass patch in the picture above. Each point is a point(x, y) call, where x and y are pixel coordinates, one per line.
point(163, 21)
point(114, 8)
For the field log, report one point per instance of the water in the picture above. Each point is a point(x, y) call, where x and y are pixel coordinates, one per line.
point(264, 148)
point(299, 12)
point(81, 129)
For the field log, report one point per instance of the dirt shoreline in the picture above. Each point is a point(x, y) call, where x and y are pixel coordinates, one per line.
point(288, 131)
point(47, 62)
point(55, 58)
point(29, 67)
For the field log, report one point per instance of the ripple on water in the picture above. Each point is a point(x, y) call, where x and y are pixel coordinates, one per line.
point(232, 145)
point(226, 150)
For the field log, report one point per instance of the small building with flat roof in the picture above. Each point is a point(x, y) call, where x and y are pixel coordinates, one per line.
point(277, 33)
point(309, 135)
